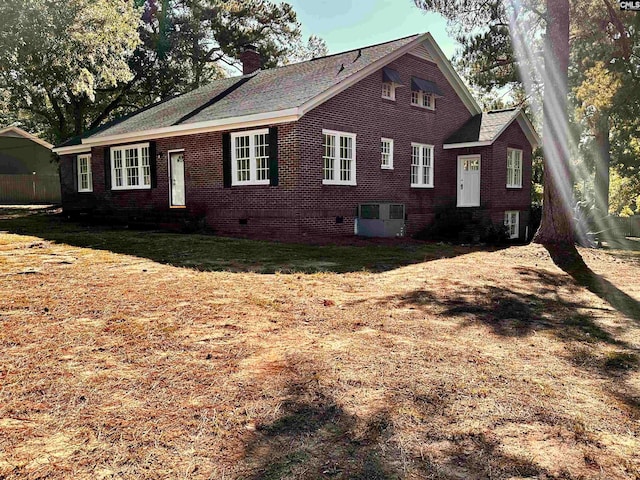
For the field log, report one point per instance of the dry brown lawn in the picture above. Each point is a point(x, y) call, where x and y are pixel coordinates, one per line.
point(487, 364)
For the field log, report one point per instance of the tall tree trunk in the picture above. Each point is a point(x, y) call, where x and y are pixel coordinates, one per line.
point(557, 225)
point(602, 165)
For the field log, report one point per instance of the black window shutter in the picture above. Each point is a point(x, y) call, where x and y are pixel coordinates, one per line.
point(226, 160)
point(74, 173)
point(107, 168)
point(153, 164)
point(273, 156)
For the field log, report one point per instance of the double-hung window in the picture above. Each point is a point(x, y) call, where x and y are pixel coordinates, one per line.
point(85, 180)
point(514, 168)
point(130, 167)
point(512, 222)
point(250, 157)
point(339, 158)
point(421, 165)
point(386, 152)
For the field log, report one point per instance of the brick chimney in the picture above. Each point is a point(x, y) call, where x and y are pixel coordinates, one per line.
point(250, 59)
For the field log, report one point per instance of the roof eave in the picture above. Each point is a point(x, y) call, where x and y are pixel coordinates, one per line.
point(246, 121)
point(27, 135)
point(525, 125)
point(451, 146)
point(441, 60)
point(71, 149)
point(529, 130)
point(450, 72)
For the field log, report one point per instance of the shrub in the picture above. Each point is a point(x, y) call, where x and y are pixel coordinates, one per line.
point(452, 224)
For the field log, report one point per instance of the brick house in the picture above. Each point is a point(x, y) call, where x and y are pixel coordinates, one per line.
point(371, 141)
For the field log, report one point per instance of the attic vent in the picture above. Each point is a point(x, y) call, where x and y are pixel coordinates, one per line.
point(422, 52)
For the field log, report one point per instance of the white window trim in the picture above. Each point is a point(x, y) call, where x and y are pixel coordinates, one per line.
point(336, 163)
point(122, 148)
point(392, 86)
point(433, 165)
point(507, 223)
point(89, 173)
point(421, 96)
point(253, 167)
point(390, 166)
point(509, 152)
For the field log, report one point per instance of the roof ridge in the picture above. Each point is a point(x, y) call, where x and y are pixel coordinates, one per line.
point(362, 48)
point(500, 110)
point(416, 35)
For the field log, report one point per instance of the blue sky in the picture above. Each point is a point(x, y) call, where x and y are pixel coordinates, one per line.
point(349, 24)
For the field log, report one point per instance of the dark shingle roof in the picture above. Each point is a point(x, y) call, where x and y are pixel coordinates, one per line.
point(265, 91)
point(293, 85)
point(170, 112)
point(483, 127)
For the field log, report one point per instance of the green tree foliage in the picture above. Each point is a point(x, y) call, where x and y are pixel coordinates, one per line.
point(604, 72)
point(106, 58)
point(487, 56)
point(484, 28)
point(625, 194)
point(606, 62)
point(58, 54)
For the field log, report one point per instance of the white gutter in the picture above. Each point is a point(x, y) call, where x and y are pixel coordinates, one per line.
point(246, 121)
point(451, 146)
point(71, 149)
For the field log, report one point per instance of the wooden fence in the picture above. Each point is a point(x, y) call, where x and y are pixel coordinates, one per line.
point(626, 226)
point(26, 189)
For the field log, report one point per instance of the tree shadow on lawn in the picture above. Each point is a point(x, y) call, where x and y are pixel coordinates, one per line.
point(314, 438)
point(212, 253)
point(572, 263)
point(511, 314)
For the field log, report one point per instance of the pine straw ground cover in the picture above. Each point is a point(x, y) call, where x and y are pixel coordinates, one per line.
point(467, 364)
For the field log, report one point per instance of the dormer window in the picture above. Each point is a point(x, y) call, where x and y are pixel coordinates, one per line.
point(390, 81)
point(424, 93)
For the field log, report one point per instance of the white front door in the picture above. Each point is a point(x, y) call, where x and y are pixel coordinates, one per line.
point(176, 179)
point(469, 181)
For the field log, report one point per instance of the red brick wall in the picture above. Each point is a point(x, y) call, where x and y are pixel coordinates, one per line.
point(501, 197)
point(361, 110)
point(267, 209)
point(301, 204)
